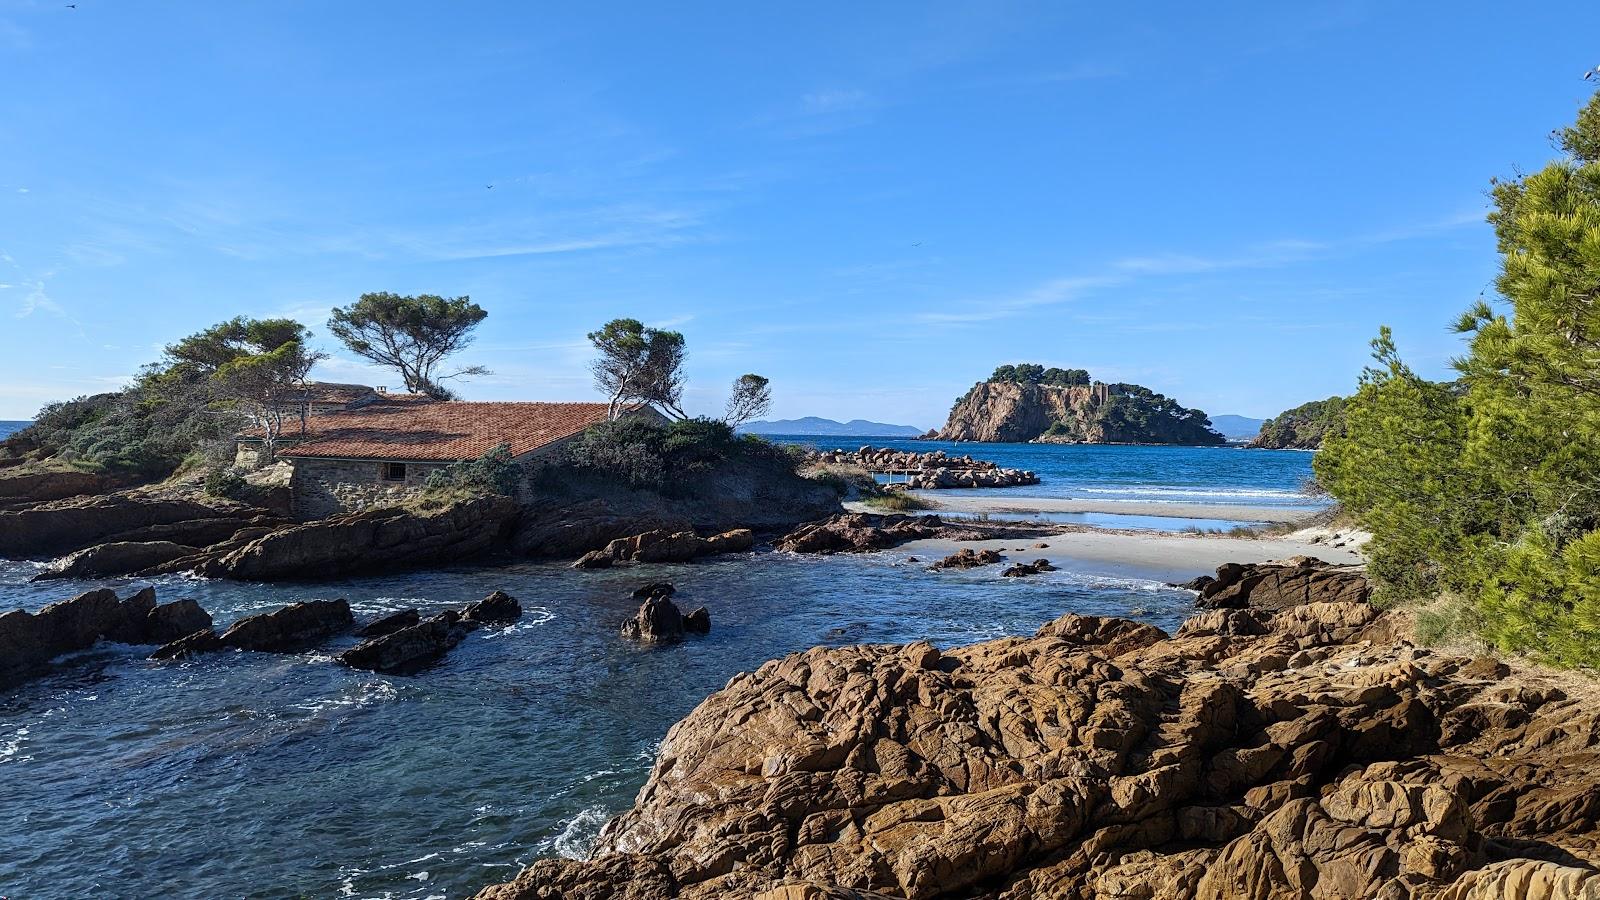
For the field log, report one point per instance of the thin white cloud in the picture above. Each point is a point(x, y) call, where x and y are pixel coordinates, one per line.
point(832, 101)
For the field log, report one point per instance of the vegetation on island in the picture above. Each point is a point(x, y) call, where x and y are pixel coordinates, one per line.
point(1481, 494)
point(412, 335)
point(181, 408)
point(1030, 373)
point(1305, 427)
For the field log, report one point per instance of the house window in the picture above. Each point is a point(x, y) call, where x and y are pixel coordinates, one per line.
point(393, 471)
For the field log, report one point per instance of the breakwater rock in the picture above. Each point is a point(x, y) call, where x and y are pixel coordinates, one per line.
point(1252, 755)
point(866, 532)
point(929, 471)
point(660, 545)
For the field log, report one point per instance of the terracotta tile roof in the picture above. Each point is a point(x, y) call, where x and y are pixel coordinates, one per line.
point(421, 430)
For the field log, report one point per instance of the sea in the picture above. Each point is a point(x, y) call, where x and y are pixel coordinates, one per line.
point(269, 775)
point(10, 427)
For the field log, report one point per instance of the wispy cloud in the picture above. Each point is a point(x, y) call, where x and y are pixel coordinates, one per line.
point(818, 103)
point(1131, 269)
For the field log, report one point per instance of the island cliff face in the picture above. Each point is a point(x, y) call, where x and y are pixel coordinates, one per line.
point(1008, 411)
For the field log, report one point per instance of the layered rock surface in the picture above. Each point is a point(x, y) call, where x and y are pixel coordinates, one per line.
point(866, 532)
point(660, 546)
point(1253, 755)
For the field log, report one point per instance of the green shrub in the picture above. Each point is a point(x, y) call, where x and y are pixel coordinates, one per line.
point(227, 483)
point(896, 501)
point(494, 472)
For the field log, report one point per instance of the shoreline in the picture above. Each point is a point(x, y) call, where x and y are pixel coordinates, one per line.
point(1025, 505)
point(1156, 556)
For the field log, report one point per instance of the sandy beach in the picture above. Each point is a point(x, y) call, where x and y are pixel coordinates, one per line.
point(945, 501)
point(1155, 555)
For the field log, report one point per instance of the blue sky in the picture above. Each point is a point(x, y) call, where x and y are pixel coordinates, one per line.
point(872, 204)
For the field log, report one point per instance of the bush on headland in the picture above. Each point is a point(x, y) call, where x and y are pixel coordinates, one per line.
point(1483, 495)
point(651, 456)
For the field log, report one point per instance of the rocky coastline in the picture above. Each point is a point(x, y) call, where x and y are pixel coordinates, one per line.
point(1282, 746)
point(1011, 412)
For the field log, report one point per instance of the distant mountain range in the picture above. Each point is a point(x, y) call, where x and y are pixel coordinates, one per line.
point(1236, 428)
point(830, 428)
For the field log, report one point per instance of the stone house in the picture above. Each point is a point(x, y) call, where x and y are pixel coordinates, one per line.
point(381, 451)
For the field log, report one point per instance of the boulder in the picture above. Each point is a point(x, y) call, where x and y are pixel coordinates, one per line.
point(736, 541)
point(118, 558)
point(28, 641)
point(293, 627)
point(389, 624)
point(698, 621)
point(409, 648)
point(658, 621)
point(968, 558)
point(653, 589)
point(499, 607)
point(1275, 586)
point(1023, 570)
point(859, 533)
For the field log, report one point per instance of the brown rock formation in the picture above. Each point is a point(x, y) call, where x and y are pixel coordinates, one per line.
point(1023, 570)
point(404, 642)
point(929, 471)
point(968, 558)
point(1252, 756)
point(866, 532)
point(28, 641)
point(118, 558)
point(34, 485)
point(63, 526)
point(1274, 586)
point(1008, 411)
point(364, 541)
point(665, 546)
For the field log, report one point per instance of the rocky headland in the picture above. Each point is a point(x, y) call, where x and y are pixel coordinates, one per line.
point(1020, 408)
point(1304, 427)
point(1271, 749)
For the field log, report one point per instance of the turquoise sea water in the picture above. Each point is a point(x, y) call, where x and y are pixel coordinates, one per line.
point(262, 775)
point(1202, 475)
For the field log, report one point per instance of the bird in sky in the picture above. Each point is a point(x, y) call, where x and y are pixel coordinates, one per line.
point(488, 187)
point(75, 6)
point(1592, 75)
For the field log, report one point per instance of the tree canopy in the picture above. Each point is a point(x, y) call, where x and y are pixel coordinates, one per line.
point(750, 398)
point(1030, 373)
point(1487, 490)
point(412, 335)
point(639, 365)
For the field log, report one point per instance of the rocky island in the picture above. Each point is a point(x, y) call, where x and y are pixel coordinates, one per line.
point(1031, 403)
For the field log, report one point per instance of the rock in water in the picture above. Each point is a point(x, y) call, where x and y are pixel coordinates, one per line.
point(389, 624)
point(203, 641)
point(967, 558)
point(294, 627)
point(410, 648)
point(664, 546)
point(115, 559)
point(654, 589)
point(658, 620)
point(28, 641)
point(171, 621)
point(498, 607)
point(698, 622)
point(1023, 570)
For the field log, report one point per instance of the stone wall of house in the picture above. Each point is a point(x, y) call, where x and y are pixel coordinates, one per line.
point(323, 487)
point(247, 455)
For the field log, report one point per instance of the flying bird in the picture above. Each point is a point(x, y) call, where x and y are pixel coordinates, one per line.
point(488, 187)
point(75, 6)
point(1592, 75)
